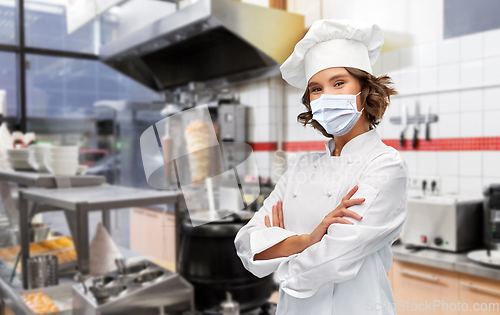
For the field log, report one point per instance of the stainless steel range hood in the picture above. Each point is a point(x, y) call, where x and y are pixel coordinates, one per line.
point(208, 40)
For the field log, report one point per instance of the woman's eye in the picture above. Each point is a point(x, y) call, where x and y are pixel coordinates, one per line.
point(316, 89)
point(338, 83)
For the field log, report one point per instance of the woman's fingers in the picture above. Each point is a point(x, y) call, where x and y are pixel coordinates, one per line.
point(351, 193)
point(267, 222)
point(352, 202)
point(276, 219)
point(342, 220)
point(350, 213)
point(280, 213)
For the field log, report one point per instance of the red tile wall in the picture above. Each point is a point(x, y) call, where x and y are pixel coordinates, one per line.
point(445, 144)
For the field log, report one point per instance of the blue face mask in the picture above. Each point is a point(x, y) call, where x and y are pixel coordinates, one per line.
point(336, 113)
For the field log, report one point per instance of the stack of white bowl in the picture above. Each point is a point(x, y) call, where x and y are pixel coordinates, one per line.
point(18, 159)
point(37, 153)
point(62, 160)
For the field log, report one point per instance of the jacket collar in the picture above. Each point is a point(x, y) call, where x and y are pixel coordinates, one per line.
point(358, 145)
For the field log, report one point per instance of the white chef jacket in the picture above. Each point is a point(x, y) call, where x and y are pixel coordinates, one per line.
point(346, 272)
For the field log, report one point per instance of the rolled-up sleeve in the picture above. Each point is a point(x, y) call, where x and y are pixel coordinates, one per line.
point(256, 237)
point(341, 252)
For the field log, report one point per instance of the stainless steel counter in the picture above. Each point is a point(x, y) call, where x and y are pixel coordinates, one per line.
point(9, 292)
point(444, 260)
point(78, 202)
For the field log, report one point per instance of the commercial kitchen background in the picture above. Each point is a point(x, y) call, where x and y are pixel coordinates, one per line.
point(442, 53)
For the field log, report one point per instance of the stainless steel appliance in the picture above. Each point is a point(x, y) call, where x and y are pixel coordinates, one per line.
point(143, 288)
point(206, 41)
point(445, 222)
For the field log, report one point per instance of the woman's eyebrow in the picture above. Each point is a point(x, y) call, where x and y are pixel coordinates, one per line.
point(338, 76)
point(335, 77)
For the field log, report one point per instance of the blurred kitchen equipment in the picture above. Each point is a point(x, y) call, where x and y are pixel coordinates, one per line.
point(42, 271)
point(491, 208)
point(39, 232)
point(36, 157)
point(404, 122)
point(205, 41)
point(208, 260)
point(445, 222)
point(401, 120)
point(416, 123)
point(427, 121)
point(491, 224)
point(18, 159)
point(145, 289)
point(229, 307)
point(62, 160)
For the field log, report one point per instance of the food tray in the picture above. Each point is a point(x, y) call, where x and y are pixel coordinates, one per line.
point(61, 266)
point(61, 295)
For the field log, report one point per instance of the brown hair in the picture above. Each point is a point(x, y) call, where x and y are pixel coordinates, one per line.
point(375, 97)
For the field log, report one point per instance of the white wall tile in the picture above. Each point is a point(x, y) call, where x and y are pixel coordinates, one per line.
point(390, 61)
point(492, 124)
point(262, 133)
point(471, 124)
point(471, 46)
point(449, 125)
point(470, 185)
point(262, 115)
point(491, 166)
point(492, 98)
point(449, 51)
point(471, 100)
point(411, 161)
point(449, 184)
point(470, 163)
point(492, 70)
point(377, 66)
point(449, 75)
point(449, 102)
point(408, 80)
point(492, 43)
point(428, 54)
point(448, 163)
point(409, 57)
point(427, 163)
point(428, 78)
point(471, 72)
point(391, 131)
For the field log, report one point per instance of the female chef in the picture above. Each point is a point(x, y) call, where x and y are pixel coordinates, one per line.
point(334, 214)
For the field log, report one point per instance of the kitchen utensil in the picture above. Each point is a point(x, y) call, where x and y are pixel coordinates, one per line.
point(39, 232)
point(416, 124)
point(42, 271)
point(403, 125)
point(427, 122)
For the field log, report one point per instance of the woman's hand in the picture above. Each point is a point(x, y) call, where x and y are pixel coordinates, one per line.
point(277, 216)
point(336, 216)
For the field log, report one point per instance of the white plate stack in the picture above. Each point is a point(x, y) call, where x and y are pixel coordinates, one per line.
point(18, 159)
point(62, 160)
point(36, 157)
